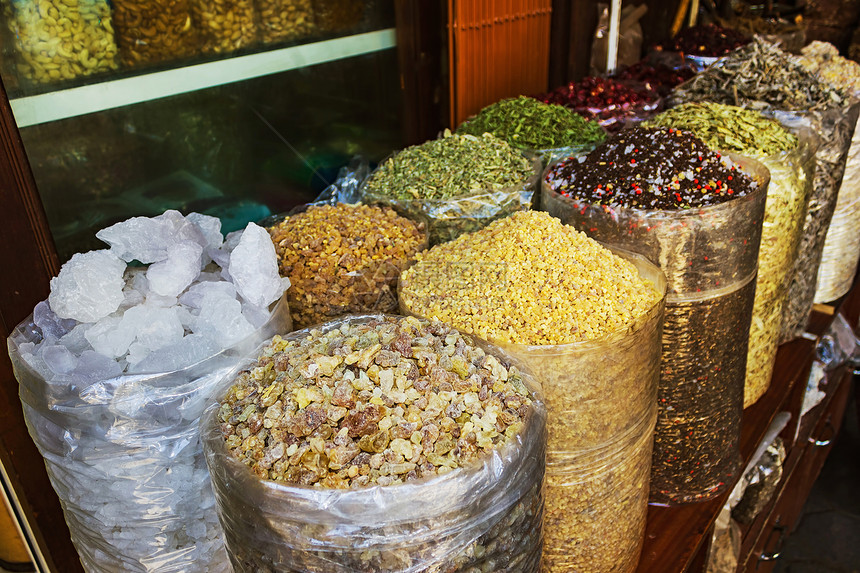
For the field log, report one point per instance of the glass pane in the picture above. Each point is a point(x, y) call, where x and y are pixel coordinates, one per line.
point(240, 150)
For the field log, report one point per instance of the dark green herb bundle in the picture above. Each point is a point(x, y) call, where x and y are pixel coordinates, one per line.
point(527, 123)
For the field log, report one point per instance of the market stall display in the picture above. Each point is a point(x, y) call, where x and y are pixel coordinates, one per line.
point(458, 183)
point(344, 259)
point(57, 41)
point(761, 76)
point(587, 323)
point(841, 249)
point(379, 443)
point(663, 193)
point(114, 371)
point(547, 130)
point(791, 163)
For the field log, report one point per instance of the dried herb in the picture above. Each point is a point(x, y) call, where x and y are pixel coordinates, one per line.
point(759, 75)
point(450, 166)
point(791, 170)
point(527, 123)
point(727, 127)
point(459, 183)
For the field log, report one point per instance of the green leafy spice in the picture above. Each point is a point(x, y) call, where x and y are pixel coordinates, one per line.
point(729, 128)
point(451, 166)
point(527, 123)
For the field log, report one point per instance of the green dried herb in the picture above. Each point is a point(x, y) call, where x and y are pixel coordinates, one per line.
point(451, 166)
point(729, 128)
point(760, 74)
point(527, 123)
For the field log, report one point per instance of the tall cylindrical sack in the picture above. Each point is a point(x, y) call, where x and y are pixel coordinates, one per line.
point(835, 127)
point(125, 458)
point(842, 244)
point(600, 397)
point(484, 516)
point(600, 392)
point(789, 155)
point(709, 256)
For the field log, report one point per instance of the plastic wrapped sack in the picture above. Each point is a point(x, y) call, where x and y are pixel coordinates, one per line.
point(123, 453)
point(709, 256)
point(486, 516)
point(600, 397)
point(791, 178)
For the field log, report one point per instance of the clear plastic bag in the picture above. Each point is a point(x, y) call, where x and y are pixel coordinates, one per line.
point(791, 178)
point(760, 482)
point(483, 517)
point(841, 249)
point(124, 455)
point(600, 397)
point(835, 128)
point(150, 32)
point(709, 256)
point(57, 41)
point(597, 503)
point(447, 219)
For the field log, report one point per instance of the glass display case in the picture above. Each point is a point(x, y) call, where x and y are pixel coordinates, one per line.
point(240, 110)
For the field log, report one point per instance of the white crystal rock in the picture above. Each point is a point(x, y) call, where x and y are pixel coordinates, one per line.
point(210, 227)
point(88, 287)
point(109, 337)
point(49, 323)
point(153, 326)
point(221, 319)
point(171, 276)
point(254, 267)
point(191, 349)
point(59, 359)
point(146, 239)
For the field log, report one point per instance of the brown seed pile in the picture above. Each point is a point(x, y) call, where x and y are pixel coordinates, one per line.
point(382, 402)
point(344, 259)
point(225, 25)
point(527, 279)
point(149, 31)
point(282, 20)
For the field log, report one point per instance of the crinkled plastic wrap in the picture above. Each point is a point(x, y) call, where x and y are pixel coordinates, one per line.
point(449, 218)
point(486, 517)
point(791, 178)
point(600, 397)
point(597, 503)
point(709, 256)
point(760, 482)
point(551, 155)
point(125, 457)
point(835, 128)
point(842, 243)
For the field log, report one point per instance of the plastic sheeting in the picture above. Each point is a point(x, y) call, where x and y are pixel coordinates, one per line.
point(483, 517)
point(709, 256)
point(125, 458)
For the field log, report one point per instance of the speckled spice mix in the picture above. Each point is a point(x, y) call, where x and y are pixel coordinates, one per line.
point(344, 259)
point(650, 168)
